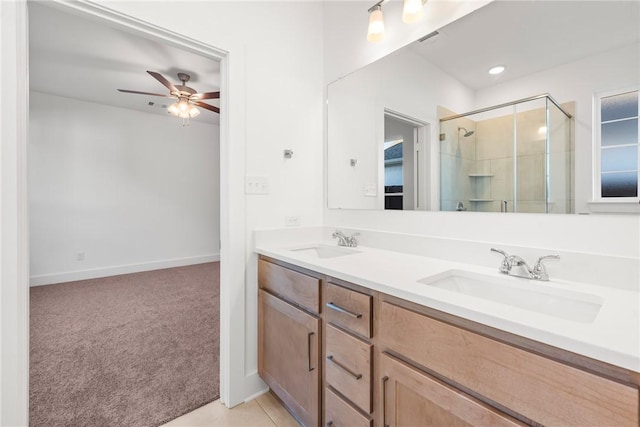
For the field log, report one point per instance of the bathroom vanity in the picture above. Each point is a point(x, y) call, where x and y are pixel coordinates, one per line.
point(351, 351)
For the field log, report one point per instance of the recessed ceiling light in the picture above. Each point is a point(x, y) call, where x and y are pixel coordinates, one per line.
point(496, 70)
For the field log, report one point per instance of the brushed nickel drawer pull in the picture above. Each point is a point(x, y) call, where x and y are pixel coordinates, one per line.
point(384, 401)
point(344, 368)
point(344, 310)
point(309, 349)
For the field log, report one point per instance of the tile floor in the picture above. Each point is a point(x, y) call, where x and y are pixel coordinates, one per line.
point(264, 411)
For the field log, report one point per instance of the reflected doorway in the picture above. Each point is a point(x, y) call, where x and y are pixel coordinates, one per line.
point(406, 178)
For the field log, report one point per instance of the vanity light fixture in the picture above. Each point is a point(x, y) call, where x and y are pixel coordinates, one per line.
point(411, 13)
point(496, 70)
point(375, 33)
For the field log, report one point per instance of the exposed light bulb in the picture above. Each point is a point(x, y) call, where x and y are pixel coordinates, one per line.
point(375, 32)
point(412, 11)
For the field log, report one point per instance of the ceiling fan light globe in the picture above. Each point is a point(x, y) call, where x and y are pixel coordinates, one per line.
point(193, 111)
point(183, 106)
point(173, 109)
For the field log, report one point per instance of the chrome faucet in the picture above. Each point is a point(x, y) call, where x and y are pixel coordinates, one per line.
point(538, 272)
point(349, 241)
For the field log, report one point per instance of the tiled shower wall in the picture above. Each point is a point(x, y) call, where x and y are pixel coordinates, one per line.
point(479, 170)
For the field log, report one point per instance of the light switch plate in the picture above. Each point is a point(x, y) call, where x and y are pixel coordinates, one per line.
point(292, 221)
point(370, 190)
point(256, 185)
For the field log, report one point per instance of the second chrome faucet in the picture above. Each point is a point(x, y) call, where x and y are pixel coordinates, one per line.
point(349, 241)
point(538, 272)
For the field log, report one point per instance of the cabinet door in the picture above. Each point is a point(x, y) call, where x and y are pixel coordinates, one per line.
point(289, 355)
point(413, 398)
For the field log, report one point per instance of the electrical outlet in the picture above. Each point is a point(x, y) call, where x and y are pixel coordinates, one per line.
point(292, 221)
point(80, 256)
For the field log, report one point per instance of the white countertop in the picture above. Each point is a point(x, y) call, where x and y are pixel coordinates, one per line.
point(613, 337)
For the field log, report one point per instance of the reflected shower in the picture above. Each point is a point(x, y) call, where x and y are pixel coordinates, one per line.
point(467, 133)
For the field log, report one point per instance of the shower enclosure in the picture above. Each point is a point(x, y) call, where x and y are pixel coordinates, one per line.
point(513, 157)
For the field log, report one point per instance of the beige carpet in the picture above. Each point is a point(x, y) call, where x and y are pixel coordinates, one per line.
point(132, 350)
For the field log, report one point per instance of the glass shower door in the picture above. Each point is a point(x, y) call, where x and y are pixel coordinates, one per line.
point(530, 160)
point(559, 161)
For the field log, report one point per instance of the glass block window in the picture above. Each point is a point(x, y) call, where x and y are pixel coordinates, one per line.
point(619, 145)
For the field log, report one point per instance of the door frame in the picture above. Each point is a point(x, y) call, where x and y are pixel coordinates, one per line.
point(14, 215)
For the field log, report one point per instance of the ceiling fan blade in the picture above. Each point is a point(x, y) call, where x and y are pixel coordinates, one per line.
point(159, 77)
point(146, 93)
point(205, 95)
point(207, 106)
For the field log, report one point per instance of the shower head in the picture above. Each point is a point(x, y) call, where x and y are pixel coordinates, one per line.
point(466, 132)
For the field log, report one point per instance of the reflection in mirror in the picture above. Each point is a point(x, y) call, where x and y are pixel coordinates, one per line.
point(538, 160)
point(508, 158)
point(403, 160)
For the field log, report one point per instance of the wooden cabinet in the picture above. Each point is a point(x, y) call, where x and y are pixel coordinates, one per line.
point(289, 356)
point(349, 355)
point(412, 398)
point(293, 286)
point(349, 367)
point(527, 385)
point(338, 413)
point(349, 309)
point(340, 355)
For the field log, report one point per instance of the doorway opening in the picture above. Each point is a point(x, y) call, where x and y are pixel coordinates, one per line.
point(141, 173)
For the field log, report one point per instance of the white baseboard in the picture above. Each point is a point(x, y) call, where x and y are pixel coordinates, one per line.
point(70, 276)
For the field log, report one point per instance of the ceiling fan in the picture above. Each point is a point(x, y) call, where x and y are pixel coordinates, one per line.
point(187, 98)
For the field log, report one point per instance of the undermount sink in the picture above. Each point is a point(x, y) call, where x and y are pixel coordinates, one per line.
point(325, 251)
point(527, 294)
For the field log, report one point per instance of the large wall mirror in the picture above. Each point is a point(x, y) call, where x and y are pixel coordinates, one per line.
point(429, 128)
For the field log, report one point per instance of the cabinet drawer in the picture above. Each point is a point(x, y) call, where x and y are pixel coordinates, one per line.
point(540, 389)
point(338, 413)
point(292, 286)
point(348, 366)
point(349, 309)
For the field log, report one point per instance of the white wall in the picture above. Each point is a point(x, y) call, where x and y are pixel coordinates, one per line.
point(272, 69)
point(575, 81)
point(346, 48)
point(14, 291)
point(275, 103)
point(133, 191)
point(605, 234)
point(403, 83)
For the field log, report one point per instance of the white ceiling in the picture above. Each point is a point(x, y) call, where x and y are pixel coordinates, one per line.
point(79, 58)
point(529, 36)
